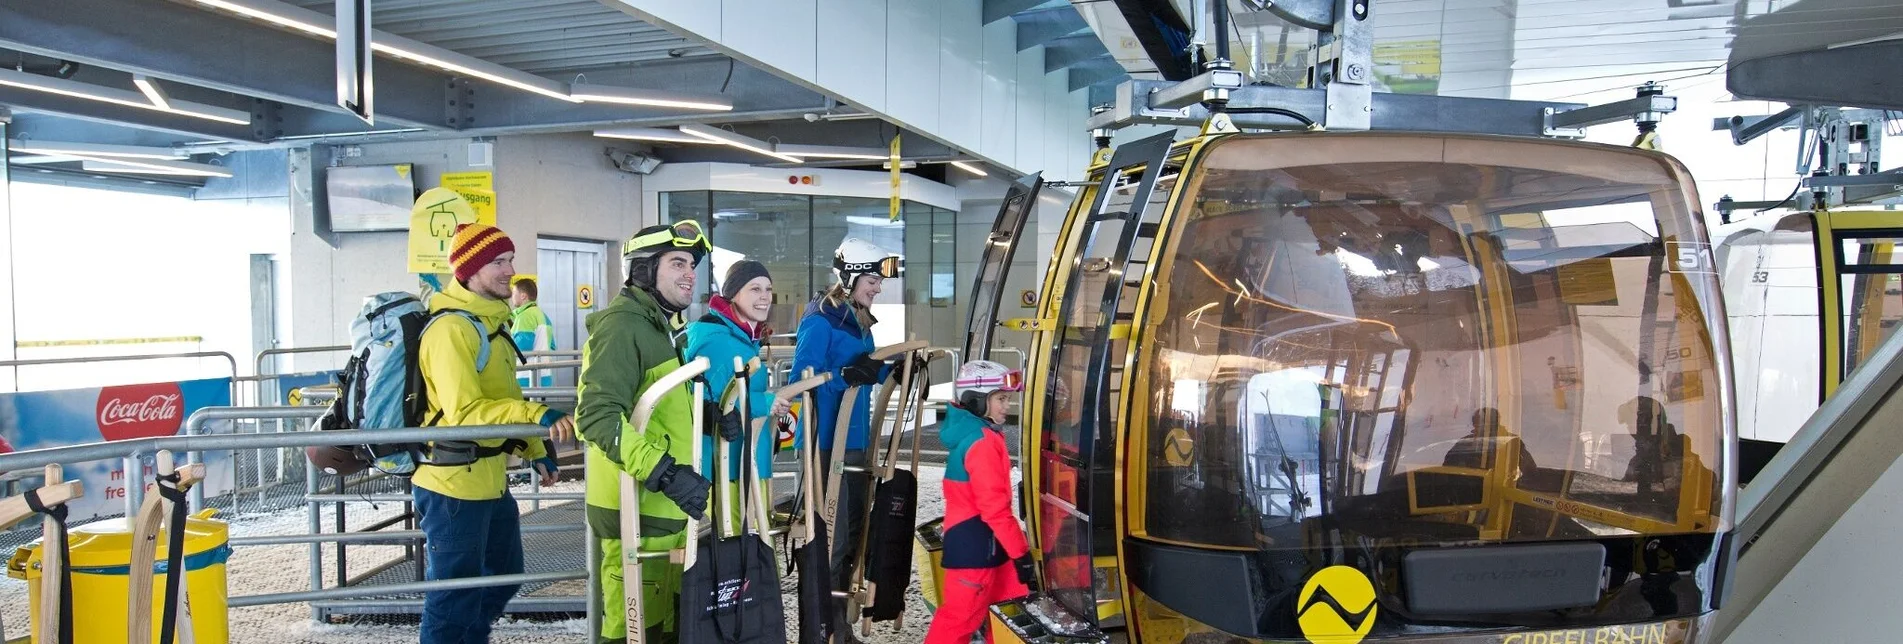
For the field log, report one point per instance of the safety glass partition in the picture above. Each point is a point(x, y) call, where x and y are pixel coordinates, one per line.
point(1000, 245)
point(1432, 340)
point(1085, 373)
point(1870, 272)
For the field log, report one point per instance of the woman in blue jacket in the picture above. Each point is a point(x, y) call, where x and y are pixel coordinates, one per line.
point(734, 327)
point(835, 336)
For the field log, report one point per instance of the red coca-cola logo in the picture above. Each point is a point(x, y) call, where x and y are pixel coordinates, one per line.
point(139, 411)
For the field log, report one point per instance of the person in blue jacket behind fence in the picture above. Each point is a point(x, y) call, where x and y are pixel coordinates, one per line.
point(734, 327)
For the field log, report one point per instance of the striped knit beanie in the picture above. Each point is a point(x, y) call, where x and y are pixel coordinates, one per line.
point(474, 246)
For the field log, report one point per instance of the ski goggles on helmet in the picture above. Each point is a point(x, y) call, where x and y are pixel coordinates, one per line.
point(682, 235)
point(887, 268)
point(1012, 380)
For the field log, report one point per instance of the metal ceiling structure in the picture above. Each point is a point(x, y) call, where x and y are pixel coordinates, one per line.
point(535, 36)
point(231, 55)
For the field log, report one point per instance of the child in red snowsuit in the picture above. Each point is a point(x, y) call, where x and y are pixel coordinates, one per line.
point(986, 557)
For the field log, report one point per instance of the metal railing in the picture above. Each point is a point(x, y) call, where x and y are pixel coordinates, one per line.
point(268, 354)
point(193, 444)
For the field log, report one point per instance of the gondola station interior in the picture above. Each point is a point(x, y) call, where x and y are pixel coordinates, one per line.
point(946, 321)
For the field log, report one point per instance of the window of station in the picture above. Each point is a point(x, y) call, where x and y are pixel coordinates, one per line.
point(795, 235)
point(1434, 352)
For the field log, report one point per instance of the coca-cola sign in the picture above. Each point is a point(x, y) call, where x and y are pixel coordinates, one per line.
point(139, 411)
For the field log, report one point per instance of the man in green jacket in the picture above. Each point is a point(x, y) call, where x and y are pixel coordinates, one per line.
point(630, 345)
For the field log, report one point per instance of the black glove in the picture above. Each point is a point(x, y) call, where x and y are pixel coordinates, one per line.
point(862, 371)
point(728, 424)
point(1027, 571)
point(681, 485)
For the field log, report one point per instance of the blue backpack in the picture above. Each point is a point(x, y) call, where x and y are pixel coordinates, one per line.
point(382, 387)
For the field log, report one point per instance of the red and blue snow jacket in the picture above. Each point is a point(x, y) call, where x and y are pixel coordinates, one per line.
point(979, 529)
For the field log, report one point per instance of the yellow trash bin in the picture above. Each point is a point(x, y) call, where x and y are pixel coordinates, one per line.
point(929, 560)
point(101, 552)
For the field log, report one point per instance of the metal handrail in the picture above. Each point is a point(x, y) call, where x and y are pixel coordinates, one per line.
point(379, 537)
point(130, 358)
point(560, 353)
point(548, 393)
point(243, 601)
point(120, 449)
point(196, 423)
point(272, 353)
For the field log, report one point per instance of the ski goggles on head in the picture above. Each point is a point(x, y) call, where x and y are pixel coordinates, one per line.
point(887, 268)
point(1012, 380)
point(683, 235)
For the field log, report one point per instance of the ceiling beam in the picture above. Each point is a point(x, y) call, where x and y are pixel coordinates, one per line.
point(1070, 50)
point(1045, 25)
point(211, 49)
point(182, 44)
point(1100, 70)
point(1854, 76)
point(996, 10)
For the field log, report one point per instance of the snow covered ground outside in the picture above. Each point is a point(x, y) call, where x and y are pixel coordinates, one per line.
point(256, 570)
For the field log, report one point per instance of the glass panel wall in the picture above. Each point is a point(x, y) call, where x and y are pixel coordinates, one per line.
point(795, 235)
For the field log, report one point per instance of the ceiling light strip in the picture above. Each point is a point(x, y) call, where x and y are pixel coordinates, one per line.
point(652, 134)
point(152, 91)
point(833, 152)
point(311, 22)
point(969, 167)
point(718, 135)
point(116, 96)
point(57, 148)
point(158, 167)
point(650, 98)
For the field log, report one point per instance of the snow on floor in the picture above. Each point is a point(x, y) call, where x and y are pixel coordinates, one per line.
point(271, 569)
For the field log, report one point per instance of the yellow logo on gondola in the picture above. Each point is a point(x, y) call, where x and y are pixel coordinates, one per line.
point(1337, 606)
point(1179, 450)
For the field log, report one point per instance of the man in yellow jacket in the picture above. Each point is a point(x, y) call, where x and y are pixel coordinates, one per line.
point(469, 520)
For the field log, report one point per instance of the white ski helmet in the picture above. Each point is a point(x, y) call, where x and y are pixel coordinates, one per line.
point(857, 257)
point(979, 378)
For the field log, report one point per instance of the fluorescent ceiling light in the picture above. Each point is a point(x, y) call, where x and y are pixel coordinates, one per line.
point(152, 91)
point(969, 168)
point(273, 15)
point(457, 63)
point(22, 159)
point(312, 23)
point(718, 135)
point(651, 134)
point(652, 98)
point(62, 148)
point(122, 168)
point(116, 96)
point(833, 152)
point(128, 166)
